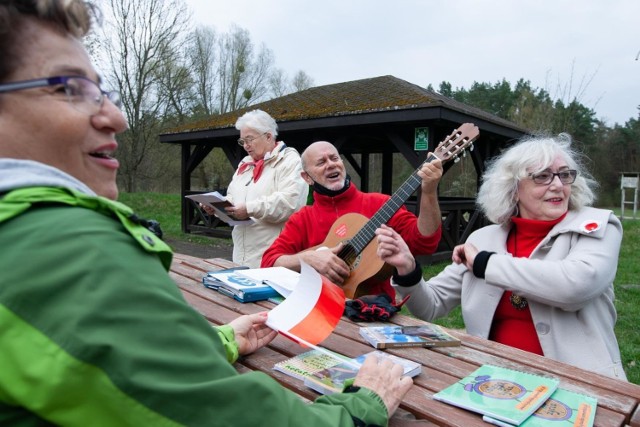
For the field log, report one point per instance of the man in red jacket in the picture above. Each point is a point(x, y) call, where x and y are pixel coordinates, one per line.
point(334, 195)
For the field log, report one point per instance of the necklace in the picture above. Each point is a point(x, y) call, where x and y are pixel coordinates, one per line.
point(518, 302)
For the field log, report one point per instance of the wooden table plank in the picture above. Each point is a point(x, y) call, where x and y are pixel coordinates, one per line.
point(617, 400)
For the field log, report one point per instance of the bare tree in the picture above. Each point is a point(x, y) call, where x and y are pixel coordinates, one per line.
point(203, 62)
point(140, 46)
point(278, 84)
point(301, 81)
point(242, 76)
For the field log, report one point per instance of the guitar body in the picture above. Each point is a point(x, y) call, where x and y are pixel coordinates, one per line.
point(366, 267)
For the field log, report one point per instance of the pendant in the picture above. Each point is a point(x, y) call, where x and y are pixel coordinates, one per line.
point(518, 302)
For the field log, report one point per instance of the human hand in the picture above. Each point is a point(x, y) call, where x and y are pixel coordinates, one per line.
point(430, 173)
point(327, 262)
point(465, 254)
point(251, 332)
point(238, 211)
point(385, 378)
point(393, 250)
point(208, 209)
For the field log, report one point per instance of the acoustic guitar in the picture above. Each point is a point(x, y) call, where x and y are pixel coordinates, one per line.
point(357, 232)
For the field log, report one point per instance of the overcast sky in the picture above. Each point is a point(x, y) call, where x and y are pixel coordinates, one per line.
point(572, 48)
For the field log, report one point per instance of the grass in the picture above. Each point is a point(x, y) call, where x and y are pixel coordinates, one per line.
point(165, 208)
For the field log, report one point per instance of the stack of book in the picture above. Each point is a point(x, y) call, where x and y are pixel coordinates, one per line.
point(328, 372)
point(426, 335)
point(256, 284)
point(508, 397)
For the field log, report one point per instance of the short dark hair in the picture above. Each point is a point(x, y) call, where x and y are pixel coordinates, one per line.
point(73, 17)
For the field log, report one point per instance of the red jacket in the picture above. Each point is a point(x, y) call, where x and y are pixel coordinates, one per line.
point(310, 225)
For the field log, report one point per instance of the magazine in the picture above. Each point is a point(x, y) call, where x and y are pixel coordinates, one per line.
point(426, 335)
point(218, 202)
point(334, 379)
point(501, 393)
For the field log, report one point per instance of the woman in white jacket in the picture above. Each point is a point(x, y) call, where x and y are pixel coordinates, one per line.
point(267, 187)
point(539, 279)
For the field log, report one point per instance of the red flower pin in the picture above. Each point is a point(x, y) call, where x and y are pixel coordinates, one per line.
point(590, 226)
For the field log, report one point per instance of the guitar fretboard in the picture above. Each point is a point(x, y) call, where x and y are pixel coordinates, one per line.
point(362, 238)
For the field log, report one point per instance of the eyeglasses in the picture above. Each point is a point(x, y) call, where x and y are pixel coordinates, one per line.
point(84, 94)
point(547, 177)
point(249, 140)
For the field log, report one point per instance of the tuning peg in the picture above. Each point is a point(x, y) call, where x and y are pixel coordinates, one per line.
point(471, 147)
point(456, 159)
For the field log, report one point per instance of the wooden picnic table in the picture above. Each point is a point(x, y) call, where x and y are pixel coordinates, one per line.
point(617, 400)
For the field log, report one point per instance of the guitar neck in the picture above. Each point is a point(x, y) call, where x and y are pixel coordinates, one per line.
point(362, 238)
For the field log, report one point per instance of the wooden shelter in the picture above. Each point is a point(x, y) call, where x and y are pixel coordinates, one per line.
point(382, 115)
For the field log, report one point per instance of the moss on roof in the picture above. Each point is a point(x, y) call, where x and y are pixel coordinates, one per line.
point(358, 96)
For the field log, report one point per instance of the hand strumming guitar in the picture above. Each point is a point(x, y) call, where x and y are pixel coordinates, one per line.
point(326, 262)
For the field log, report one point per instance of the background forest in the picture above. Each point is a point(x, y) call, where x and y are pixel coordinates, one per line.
point(170, 72)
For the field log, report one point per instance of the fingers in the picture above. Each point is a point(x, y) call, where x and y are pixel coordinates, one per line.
point(386, 379)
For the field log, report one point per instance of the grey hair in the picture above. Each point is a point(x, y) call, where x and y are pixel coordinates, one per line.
point(258, 120)
point(497, 197)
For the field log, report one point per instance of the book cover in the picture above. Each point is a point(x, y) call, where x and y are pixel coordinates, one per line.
point(306, 364)
point(281, 279)
point(218, 202)
point(332, 380)
point(243, 289)
point(564, 407)
point(427, 335)
point(501, 393)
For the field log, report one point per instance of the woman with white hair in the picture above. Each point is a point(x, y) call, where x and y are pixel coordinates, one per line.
point(267, 187)
point(541, 277)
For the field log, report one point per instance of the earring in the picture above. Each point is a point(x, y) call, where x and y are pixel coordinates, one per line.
point(517, 210)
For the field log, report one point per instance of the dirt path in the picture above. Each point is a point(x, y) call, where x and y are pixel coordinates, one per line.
point(200, 250)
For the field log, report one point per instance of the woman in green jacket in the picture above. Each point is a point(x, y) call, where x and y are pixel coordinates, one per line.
point(92, 329)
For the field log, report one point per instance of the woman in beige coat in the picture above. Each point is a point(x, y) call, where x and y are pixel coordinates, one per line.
point(266, 187)
point(539, 279)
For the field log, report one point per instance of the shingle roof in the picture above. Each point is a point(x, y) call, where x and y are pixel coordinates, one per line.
point(355, 97)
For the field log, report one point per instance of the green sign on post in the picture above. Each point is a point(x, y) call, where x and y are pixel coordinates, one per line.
point(421, 142)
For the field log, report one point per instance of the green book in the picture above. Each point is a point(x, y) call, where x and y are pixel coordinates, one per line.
point(503, 394)
point(563, 408)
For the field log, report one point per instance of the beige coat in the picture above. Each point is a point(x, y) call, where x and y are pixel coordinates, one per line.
point(568, 281)
point(279, 192)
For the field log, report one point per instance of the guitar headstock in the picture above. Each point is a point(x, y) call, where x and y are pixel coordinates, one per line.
point(457, 142)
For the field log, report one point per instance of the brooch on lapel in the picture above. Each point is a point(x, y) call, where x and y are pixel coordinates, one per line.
point(590, 226)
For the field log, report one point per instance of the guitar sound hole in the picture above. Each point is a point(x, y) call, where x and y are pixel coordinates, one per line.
point(349, 255)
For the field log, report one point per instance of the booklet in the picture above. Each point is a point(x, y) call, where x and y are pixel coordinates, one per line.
point(333, 380)
point(306, 364)
point(501, 393)
point(231, 283)
point(218, 202)
point(563, 408)
point(426, 335)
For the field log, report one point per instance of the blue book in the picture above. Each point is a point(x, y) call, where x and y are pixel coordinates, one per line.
point(241, 288)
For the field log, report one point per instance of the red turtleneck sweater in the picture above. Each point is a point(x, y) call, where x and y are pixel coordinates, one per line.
point(511, 326)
